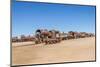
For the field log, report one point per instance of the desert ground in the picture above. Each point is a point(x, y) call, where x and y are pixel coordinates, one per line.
point(82, 49)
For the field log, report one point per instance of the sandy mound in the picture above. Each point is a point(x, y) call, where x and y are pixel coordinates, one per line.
point(82, 49)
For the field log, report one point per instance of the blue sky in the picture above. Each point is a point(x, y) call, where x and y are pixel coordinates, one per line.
point(27, 17)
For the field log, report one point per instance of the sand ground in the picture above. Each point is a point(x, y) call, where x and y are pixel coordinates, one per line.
point(82, 49)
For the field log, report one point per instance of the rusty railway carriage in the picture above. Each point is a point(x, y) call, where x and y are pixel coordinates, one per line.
point(47, 37)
